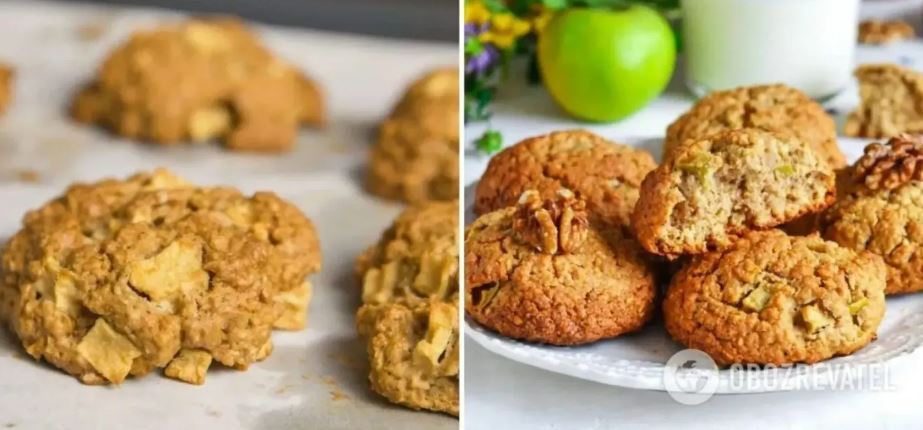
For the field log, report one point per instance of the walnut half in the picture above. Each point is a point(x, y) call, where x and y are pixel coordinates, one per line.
point(888, 166)
point(553, 225)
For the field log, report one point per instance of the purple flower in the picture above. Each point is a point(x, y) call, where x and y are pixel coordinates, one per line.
point(472, 29)
point(479, 57)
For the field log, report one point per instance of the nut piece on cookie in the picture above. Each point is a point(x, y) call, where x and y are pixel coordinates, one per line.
point(878, 32)
point(777, 299)
point(6, 87)
point(607, 175)
point(199, 80)
point(775, 108)
point(415, 158)
point(891, 102)
point(715, 189)
point(884, 212)
point(543, 272)
point(889, 166)
point(553, 225)
point(413, 353)
point(416, 258)
point(114, 278)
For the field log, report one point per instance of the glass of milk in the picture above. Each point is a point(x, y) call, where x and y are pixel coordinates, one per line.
point(806, 44)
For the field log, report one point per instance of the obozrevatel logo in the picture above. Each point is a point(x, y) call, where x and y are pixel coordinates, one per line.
point(691, 377)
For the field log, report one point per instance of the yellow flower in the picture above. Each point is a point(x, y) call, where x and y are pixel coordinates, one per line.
point(542, 15)
point(476, 12)
point(504, 29)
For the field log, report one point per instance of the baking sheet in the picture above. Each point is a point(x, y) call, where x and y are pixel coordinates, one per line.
point(316, 378)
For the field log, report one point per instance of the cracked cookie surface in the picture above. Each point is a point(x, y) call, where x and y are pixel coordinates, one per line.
point(884, 213)
point(543, 271)
point(891, 102)
point(607, 175)
point(777, 299)
point(713, 190)
point(415, 158)
point(413, 353)
point(121, 277)
point(199, 80)
point(775, 108)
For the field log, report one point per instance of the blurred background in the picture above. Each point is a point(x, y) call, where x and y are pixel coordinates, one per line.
point(415, 19)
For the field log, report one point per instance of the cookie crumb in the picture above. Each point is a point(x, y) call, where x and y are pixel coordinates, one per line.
point(91, 31)
point(337, 395)
point(28, 176)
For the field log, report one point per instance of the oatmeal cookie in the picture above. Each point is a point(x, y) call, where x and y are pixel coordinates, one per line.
point(884, 215)
point(891, 102)
point(543, 271)
point(409, 314)
point(776, 108)
point(413, 353)
point(416, 258)
point(777, 299)
point(121, 277)
point(878, 32)
point(416, 156)
point(713, 190)
point(606, 174)
point(199, 80)
point(6, 87)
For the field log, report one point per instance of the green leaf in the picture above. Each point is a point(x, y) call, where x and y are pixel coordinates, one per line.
point(473, 47)
point(495, 6)
point(555, 4)
point(491, 141)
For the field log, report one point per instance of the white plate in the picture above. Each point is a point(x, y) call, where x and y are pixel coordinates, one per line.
point(638, 360)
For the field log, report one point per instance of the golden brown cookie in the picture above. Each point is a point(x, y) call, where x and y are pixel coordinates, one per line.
point(6, 87)
point(413, 353)
point(416, 258)
point(776, 108)
point(410, 313)
point(199, 80)
point(715, 189)
point(891, 102)
point(884, 213)
point(542, 271)
point(777, 299)
point(121, 277)
point(606, 174)
point(878, 32)
point(416, 156)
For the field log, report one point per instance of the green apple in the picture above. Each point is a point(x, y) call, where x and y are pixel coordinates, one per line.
point(605, 64)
